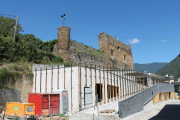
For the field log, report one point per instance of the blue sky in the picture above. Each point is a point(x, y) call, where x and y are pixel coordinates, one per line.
point(152, 27)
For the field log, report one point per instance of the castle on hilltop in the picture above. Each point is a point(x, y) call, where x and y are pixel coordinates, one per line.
point(111, 53)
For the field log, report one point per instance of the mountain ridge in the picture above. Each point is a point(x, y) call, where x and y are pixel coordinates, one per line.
point(171, 68)
point(150, 67)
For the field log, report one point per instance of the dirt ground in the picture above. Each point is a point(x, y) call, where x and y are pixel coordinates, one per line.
point(88, 114)
point(90, 117)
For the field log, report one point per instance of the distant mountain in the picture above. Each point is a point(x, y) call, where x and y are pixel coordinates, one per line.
point(150, 67)
point(172, 68)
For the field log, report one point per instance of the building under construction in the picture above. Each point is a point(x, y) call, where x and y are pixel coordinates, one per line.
point(85, 83)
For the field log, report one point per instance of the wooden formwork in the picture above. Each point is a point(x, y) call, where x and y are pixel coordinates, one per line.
point(166, 95)
point(162, 97)
point(156, 98)
point(172, 95)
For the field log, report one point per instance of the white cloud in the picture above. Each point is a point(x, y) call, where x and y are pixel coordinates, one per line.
point(133, 41)
point(163, 40)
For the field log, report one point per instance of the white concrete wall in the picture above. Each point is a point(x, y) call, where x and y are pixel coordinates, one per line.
point(88, 78)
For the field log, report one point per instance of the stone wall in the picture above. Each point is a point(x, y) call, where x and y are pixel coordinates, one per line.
point(136, 102)
point(86, 55)
point(74, 52)
point(55, 50)
point(80, 53)
point(121, 56)
point(9, 95)
point(24, 85)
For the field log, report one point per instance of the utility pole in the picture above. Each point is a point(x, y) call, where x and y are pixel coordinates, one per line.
point(15, 28)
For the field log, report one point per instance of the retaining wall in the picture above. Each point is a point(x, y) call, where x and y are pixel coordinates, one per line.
point(9, 95)
point(136, 102)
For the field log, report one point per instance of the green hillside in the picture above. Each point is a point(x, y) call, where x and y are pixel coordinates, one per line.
point(172, 68)
point(150, 67)
point(17, 57)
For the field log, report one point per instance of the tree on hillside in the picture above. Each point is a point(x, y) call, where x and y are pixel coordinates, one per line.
point(30, 38)
point(48, 45)
point(25, 47)
point(7, 26)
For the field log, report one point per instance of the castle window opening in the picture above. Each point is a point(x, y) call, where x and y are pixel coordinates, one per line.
point(112, 52)
point(124, 57)
point(118, 47)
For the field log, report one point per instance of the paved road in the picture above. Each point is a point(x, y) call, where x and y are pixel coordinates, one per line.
point(167, 110)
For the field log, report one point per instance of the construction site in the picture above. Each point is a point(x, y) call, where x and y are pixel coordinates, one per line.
point(86, 87)
point(98, 81)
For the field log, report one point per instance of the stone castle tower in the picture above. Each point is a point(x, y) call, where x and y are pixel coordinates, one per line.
point(63, 44)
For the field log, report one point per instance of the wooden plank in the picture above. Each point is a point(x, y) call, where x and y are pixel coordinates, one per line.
point(161, 97)
point(58, 78)
point(71, 90)
point(40, 79)
point(111, 84)
point(79, 68)
point(156, 99)
point(104, 98)
point(53, 118)
point(91, 75)
point(114, 87)
point(64, 78)
point(114, 84)
point(100, 86)
point(86, 75)
point(167, 96)
point(120, 90)
point(123, 86)
point(95, 85)
point(172, 95)
point(45, 112)
point(107, 85)
point(46, 79)
point(117, 92)
point(107, 111)
point(127, 83)
point(35, 80)
point(52, 80)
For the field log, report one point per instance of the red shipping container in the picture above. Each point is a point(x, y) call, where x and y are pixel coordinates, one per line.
point(41, 101)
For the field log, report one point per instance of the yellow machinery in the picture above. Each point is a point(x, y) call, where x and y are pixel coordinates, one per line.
point(20, 110)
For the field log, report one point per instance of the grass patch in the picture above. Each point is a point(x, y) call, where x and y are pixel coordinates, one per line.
point(61, 115)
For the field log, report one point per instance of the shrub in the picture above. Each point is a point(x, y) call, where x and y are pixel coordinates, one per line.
point(67, 64)
point(57, 59)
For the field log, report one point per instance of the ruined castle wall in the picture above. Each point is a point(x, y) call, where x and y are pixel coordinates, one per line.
point(80, 53)
point(121, 56)
point(84, 54)
point(75, 53)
